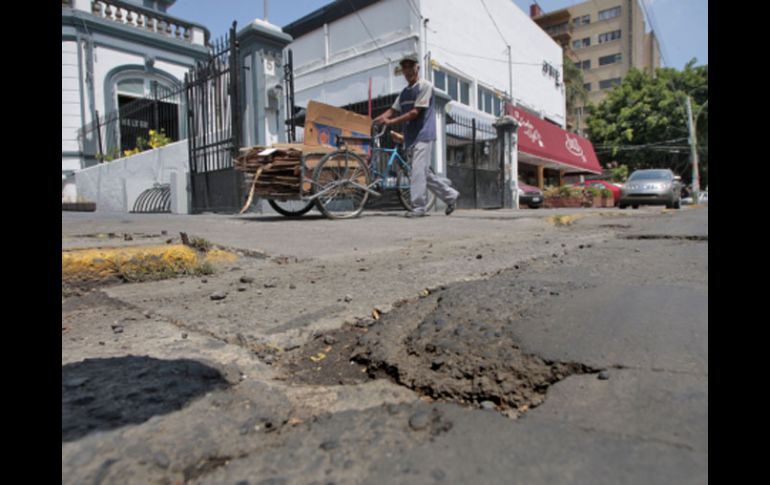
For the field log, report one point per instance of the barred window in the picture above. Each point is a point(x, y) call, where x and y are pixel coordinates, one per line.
point(609, 36)
point(610, 13)
point(603, 61)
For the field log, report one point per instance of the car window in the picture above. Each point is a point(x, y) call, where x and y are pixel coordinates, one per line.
point(650, 175)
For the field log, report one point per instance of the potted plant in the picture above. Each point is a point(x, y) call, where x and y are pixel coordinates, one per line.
point(564, 196)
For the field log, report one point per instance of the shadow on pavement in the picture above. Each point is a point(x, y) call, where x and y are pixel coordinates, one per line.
point(104, 394)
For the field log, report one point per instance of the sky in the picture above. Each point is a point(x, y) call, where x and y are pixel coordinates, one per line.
point(682, 24)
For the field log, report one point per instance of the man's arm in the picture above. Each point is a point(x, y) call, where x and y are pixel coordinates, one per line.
point(384, 117)
point(408, 116)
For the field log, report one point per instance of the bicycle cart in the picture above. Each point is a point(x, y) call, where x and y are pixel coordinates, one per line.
point(337, 181)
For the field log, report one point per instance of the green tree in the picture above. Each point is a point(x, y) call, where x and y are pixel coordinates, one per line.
point(574, 86)
point(643, 122)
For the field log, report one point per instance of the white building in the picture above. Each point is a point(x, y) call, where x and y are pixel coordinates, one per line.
point(339, 49)
point(114, 52)
point(123, 71)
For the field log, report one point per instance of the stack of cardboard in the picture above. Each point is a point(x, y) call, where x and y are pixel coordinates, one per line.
point(279, 169)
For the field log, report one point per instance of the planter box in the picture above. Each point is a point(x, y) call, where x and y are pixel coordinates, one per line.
point(559, 202)
point(575, 202)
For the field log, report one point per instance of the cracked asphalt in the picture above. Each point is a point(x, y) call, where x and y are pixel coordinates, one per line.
point(485, 347)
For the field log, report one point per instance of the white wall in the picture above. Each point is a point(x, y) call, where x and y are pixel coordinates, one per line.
point(460, 32)
point(70, 97)
point(115, 186)
point(335, 67)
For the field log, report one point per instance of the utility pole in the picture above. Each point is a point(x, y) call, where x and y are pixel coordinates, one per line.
point(693, 152)
point(510, 75)
point(265, 3)
point(428, 74)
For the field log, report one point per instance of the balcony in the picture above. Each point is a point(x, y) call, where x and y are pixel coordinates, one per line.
point(558, 25)
point(146, 19)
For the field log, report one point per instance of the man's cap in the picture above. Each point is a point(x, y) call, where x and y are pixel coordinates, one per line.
point(409, 58)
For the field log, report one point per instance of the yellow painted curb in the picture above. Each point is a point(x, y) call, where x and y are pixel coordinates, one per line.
point(565, 220)
point(136, 263)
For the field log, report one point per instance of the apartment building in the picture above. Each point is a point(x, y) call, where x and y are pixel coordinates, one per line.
point(605, 39)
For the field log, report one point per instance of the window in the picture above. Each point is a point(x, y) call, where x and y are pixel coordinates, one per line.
point(609, 83)
point(465, 93)
point(584, 20)
point(610, 13)
point(452, 91)
point(132, 87)
point(439, 80)
point(587, 87)
point(457, 89)
point(585, 64)
point(603, 61)
point(609, 36)
point(489, 101)
point(581, 43)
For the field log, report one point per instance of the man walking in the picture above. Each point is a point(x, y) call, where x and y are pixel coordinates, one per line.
point(416, 105)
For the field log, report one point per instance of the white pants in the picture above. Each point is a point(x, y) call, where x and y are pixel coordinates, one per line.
point(422, 179)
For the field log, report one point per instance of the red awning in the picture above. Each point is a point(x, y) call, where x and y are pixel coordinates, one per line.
point(553, 145)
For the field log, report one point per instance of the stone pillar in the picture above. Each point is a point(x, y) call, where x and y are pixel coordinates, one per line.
point(440, 150)
point(507, 138)
point(263, 96)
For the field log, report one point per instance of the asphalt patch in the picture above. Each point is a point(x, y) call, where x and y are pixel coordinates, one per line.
point(104, 394)
point(458, 345)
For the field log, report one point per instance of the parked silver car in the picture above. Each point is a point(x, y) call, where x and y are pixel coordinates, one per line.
point(652, 187)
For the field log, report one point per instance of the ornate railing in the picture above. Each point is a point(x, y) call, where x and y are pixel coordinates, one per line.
point(142, 18)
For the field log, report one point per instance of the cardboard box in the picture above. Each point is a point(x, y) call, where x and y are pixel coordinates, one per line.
point(324, 122)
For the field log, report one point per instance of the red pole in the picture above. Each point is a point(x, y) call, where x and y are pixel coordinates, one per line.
point(370, 112)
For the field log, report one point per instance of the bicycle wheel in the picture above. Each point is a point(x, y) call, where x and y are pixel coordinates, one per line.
point(340, 178)
point(404, 188)
point(290, 208)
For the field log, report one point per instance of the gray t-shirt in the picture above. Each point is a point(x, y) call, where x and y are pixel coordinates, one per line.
point(422, 128)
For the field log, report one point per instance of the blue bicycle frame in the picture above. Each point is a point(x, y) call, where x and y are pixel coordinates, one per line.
point(377, 176)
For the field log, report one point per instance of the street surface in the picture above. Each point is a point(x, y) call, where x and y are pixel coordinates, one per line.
point(531, 346)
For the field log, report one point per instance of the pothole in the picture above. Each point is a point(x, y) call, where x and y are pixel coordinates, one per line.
point(458, 345)
point(700, 238)
point(474, 363)
point(327, 359)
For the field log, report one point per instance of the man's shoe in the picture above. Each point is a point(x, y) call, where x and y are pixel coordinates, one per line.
point(411, 214)
point(450, 207)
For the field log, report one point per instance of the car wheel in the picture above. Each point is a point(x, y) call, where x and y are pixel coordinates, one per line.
point(622, 206)
point(635, 206)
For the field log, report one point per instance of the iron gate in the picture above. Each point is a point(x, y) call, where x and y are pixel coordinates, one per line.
point(214, 129)
point(474, 163)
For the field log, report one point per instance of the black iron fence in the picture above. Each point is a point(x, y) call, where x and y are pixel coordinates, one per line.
point(214, 128)
point(474, 162)
point(136, 125)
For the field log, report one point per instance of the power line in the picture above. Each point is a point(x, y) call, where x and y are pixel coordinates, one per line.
point(465, 54)
point(648, 144)
point(493, 21)
point(369, 32)
point(414, 9)
point(650, 13)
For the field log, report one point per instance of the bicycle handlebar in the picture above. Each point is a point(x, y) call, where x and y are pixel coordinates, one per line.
point(382, 132)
